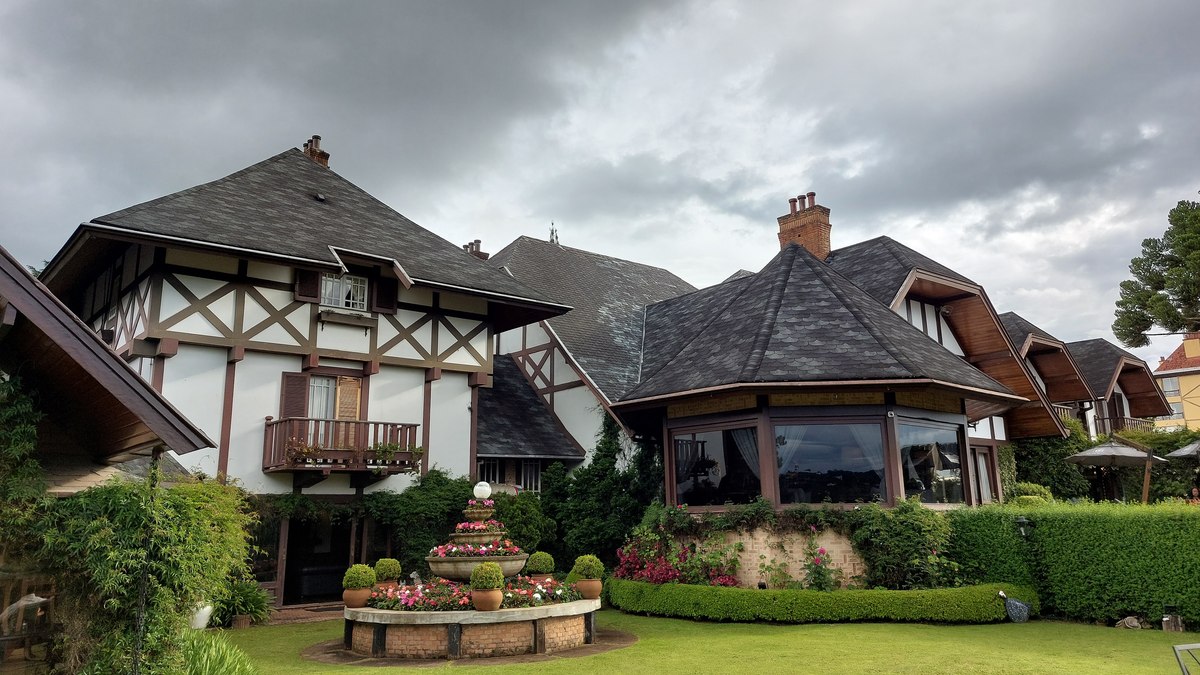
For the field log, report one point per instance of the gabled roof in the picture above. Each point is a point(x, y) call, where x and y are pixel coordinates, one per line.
point(880, 266)
point(290, 206)
point(603, 331)
point(95, 404)
point(514, 423)
point(795, 321)
point(1179, 360)
point(1105, 365)
point(1058, 371)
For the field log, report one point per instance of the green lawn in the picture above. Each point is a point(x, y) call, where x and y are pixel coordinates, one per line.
point(672, 645)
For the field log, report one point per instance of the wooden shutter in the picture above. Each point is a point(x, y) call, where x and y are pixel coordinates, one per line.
point(383, 300)
point(349, 398)
point(308, 286)
point(294, 401)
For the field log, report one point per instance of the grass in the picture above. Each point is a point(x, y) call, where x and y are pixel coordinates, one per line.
point(683, 646)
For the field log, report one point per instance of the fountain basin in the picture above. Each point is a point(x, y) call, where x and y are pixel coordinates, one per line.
point(459, 569)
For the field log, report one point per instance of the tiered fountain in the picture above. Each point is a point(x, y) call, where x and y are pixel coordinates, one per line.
point(479, 534)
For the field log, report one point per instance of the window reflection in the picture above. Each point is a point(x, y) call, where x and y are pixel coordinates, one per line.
point(830, 462)
point(715, 467)
point(931, 463)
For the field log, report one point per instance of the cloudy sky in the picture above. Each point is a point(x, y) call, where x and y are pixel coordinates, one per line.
point(1029, 145)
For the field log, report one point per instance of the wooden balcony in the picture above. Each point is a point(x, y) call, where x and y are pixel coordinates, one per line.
point(1108, 425)
point(309, 444)
point(1065, 412)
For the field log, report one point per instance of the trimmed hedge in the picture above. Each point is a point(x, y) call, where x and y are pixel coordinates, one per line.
point(972, 604)
point(988, 547)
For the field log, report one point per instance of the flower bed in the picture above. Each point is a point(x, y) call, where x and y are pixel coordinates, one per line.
point(499, 547)
point(441, 595)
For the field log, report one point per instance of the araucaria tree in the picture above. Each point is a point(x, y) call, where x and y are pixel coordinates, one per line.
point(1165, 288)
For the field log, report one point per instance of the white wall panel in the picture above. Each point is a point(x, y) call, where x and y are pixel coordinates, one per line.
point(194, 382)
point(450, 425)
point(343, 338)
point(535, 335)
point(580, 413)
point(204, 261)
point(269, 272)
point(510, 341)
point(256, 390)
point(563, 373)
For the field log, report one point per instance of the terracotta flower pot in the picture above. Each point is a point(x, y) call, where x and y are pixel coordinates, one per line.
point(487, 600)
point(389, 583)
point(589, 588)
point(539, 578)
point(356, 597)
point(241, 621)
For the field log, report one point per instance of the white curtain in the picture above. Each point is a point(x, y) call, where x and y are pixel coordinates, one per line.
point(793, 440)
point(747, 446)
point(687, 452)
point(870, 442)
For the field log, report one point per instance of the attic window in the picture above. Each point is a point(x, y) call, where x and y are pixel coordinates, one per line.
point(346, 292)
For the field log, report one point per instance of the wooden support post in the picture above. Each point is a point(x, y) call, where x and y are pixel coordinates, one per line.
point(589, 628)
point(379, 641)
point(539, 636)
point(281, 561)
point(348, 634)
point(1146, 481)
point(454, 640)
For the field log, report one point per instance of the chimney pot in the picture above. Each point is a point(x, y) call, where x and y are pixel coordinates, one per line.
point(792, 205)
point(812, 196)
point(807, 225)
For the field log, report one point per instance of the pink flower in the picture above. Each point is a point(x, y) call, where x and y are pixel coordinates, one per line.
point(821, 550)
point(813, 528)
point(816, 561)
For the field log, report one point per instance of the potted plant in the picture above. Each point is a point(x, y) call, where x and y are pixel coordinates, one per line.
point(586, 574)
point(486, 582)
point(387, 571)
point(540, 566)
point(358, 582)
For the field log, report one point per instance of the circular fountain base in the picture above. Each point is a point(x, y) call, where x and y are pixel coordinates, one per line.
point(383, 633)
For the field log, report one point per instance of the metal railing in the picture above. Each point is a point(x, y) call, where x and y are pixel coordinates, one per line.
point(315, 444)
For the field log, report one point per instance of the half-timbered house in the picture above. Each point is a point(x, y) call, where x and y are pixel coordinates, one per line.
point(327, 343)
point(1125, 394)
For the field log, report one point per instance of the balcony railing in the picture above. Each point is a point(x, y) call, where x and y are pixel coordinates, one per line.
point(1107, 425)
point(313, 444)
point(1065, 412)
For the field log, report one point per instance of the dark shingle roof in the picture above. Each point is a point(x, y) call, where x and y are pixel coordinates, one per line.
point(795, 321)
point(1098, 360)
point(609, 295)
point(514, 423)
point(879, 266)
point(273, 207)
point(1019, 328)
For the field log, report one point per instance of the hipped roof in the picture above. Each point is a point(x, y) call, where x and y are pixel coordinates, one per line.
point(795, 321)
point(1105, 365)
point(514, 423)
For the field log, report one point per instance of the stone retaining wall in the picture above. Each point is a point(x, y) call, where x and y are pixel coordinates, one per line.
point(789, 548)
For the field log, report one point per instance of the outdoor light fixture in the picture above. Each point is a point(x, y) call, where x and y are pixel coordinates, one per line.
point(483, 490)
point(1024, 525)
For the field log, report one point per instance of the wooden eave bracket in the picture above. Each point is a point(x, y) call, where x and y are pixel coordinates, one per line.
point(480, 379)
point(433, 374)
point(8, 319)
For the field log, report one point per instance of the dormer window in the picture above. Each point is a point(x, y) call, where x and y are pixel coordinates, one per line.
point(346, 291)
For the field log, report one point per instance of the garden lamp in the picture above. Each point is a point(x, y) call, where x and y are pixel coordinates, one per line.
point(1024, 525)
point(483, 490)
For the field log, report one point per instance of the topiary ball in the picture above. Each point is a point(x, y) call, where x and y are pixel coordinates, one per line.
point(588, 567)
point(359, 576)
point(387, 569)
point(540, 562)
point(487, 576)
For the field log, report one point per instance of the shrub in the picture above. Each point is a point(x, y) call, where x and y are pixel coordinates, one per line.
point(420, 517)
point(972, 604)
point(211, 653)
point(523, 519)
point(487, 576)
point(1042, 460)
point(1028, 501)
point(900, 546)
point(245, 597)
point(987, 546)
point(586, 567)
point(1027, 489)
point(359, 576)
point(540, 563)
point(819, 575)
point(387, 569)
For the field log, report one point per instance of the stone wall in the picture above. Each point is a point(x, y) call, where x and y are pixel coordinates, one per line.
point(563, 632)
point(789, 548)
point(497, 639)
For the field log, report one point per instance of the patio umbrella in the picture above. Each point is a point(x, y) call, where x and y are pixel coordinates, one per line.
point(1190, 450)
point(1115, 453)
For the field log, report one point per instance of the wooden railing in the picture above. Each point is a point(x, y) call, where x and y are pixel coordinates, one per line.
point(1107, 425)
point(1065, 412)
point(314, 444)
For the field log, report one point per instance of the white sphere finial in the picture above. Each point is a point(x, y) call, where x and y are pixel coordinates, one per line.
point(483, 490)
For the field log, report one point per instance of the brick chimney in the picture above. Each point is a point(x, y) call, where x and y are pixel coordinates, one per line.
point(475, 249)
point(312, 148)
point(807, 224)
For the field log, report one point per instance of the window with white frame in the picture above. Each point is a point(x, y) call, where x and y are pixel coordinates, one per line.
point(1176, 412)
point(531, 475)
point(489, 471)
point(346, 291)
point(1170, 386)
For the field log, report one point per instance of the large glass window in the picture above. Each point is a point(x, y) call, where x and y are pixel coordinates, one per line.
point(930, 459)
point(1170, 386)
point(715, 467)
point(830, 462)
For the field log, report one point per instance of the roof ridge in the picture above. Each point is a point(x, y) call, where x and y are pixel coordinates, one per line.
point(191, 190)
point(766, 327)
point(826, 272)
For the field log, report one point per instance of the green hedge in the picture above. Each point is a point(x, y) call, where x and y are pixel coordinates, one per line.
point(1102, 562)
point(987, 546)
point(972, 604)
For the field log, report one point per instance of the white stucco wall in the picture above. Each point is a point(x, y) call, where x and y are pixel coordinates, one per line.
point(581, 415)
point(397, 395)
point(257, 384)
point(194, 382)
point(450, 425)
